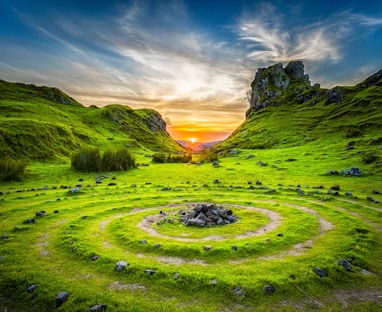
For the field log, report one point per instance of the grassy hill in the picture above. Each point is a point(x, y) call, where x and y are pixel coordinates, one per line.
point(344, 121)
point(42, 123)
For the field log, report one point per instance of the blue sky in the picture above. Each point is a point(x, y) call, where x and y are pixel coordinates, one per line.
point(192, 61)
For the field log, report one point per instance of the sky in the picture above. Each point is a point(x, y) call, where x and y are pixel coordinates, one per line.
point(190, 60)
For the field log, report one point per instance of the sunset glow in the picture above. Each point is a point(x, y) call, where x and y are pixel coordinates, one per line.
point(176, 57)
point(193, 140)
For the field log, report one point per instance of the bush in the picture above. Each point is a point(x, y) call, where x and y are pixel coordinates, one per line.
point(90, 160)
point(208, 155)
point(11, 169)
point(168, 158)
point(118, 160)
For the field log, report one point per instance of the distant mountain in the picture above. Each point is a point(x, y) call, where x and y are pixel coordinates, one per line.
point(41, 123)
point(286, 110)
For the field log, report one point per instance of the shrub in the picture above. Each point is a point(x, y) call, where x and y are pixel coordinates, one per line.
point(208, 155)
point(11, 169)
point(90, 160)
point(168, 158)
point(117, 160)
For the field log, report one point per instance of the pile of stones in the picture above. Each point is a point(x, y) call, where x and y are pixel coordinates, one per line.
point(207, 215)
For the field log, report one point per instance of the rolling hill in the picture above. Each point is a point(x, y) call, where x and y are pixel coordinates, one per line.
point(42, 123)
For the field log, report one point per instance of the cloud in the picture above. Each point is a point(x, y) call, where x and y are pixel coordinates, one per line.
point(271, 36)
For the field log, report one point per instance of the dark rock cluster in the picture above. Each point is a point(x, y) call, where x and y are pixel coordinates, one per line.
point(208, 215)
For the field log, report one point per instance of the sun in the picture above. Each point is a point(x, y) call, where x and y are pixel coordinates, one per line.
point(193, 140)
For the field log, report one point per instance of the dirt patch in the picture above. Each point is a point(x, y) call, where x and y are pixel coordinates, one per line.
point(179, 261)
point(132, 287)
point(43, 243)
point(351, 297)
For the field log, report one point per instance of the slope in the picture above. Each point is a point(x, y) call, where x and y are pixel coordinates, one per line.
point(283, 115)
point(40, 123)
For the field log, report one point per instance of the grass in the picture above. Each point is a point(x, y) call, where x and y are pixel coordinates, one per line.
point(102, 220)
point(290, 221)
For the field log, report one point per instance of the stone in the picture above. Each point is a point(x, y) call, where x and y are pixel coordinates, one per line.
point(1, 258)
point(176, 276)
point(143, 241)
point(95, 257)
point(332, 172)
point(158, 246)
point(320, 272)
point(4, 236)
point(216, 181)
point(335, 188)
point(334, 95)
point(238, 290)
point(29, 221)
point(207, 248)
point(376, 192)
point(61, 298)
point(150, 272)
point(31, 288)
point(98, 308)
point(300, 192)
point(345, 264)
point(370, 198)
point(56, 211)
point(214, 281)
point(234, 247)
point(268, 289)
point(74, 190)
point(40, 213)
point(280, 234)
point(120, 266)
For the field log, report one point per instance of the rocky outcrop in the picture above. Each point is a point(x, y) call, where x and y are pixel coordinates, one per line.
point(270, 82)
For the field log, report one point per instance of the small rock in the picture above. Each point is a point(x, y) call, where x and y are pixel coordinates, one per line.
point(4, 236)
point(345, 264)
point(176, 276)
point(74, 190)
point(29, 221)
point(158, 246)
point(269, 289)
point(234, 247)
point(320, 272)
point(40, 213)
point(216, 181)
point(280, 234)
point(143, 241)
point(95, 257)
point(370, 198)
point(300, 192)
point(214, 281)
point(376, 192)
point(61, 298)
point(150, 272)
point(120, 266)
point(56, 211)
point(31, 288)
point(335, 188)
point(207, 248)
point(98, 308)
point(238, 290)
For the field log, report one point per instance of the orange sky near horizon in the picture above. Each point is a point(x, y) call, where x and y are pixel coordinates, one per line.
point(199, 136)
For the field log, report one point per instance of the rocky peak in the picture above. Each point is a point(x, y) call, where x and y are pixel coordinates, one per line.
point(271, 81)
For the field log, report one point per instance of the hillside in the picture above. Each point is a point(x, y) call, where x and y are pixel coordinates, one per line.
point(286, 111)
point(40, 123)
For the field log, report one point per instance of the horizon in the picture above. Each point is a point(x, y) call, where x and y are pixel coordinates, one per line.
point(192, 61)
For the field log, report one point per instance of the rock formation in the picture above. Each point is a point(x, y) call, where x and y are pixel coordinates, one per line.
point(275, 85)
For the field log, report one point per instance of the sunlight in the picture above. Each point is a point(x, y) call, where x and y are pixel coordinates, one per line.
point(193, 140)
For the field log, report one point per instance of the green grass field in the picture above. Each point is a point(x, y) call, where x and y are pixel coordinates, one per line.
point(317, 228)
